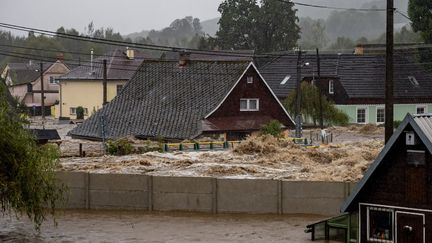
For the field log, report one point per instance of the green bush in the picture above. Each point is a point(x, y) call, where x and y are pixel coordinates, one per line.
point(396, 124)
point(80, 112)
point(120, 147)
point(273, 128)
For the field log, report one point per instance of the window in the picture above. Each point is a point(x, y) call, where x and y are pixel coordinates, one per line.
point(416, 157)
point(285, 80)
point(380, 225)
point(119, 88)
point(421, 109)
point(361, 115)
point(380, 115)
point(73, 111)
point(331, 87)
point(413, 80)
point(53, 80)
point(249, 104)
point(249, 79)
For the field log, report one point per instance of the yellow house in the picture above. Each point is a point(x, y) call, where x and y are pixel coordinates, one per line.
point(84, 86)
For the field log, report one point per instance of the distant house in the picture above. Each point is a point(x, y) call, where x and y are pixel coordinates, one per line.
point(393, 201)
point(185, 99)
point(83, 85)
point(23, 81)
point(356, 83)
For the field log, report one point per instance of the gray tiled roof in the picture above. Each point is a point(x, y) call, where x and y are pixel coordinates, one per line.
point(119, 67)
point(362, 76)
point(23, 73)
point(223, 55)
point(165, 100)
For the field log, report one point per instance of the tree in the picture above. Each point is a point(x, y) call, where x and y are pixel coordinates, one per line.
point(28, 185)
point(311, 106)
point(313, 34)
point(420, 14)
point(342, 43)
point(270, 26)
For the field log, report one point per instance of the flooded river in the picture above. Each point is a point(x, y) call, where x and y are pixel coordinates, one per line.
point(109, 226)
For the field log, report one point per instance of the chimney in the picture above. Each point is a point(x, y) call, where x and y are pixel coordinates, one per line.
point(60, 57)
point(184, 58)
point(91, 61)
point(130, 53)
point(359, 50)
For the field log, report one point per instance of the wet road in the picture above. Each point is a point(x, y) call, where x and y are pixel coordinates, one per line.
point(108, 226)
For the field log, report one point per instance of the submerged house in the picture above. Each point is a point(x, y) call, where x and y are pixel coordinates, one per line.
point(355, 83)
point(184, 99)
point(393, 201)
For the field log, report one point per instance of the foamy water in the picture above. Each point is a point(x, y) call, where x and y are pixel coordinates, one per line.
point(108, 226)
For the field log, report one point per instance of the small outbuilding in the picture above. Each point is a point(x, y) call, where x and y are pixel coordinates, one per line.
point(393, 201)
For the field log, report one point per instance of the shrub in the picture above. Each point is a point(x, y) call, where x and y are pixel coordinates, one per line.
point(119, 147)
point(396, 124)
point(80, 112)
point(273, 128)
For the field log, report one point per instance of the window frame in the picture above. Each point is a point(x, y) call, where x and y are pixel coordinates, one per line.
point(117, 88)
point(53, 80)
point(249, 79)
point(366, 115)
point(331, 86)
point(425, 109)
point(376, 118)
point(72, 111)
point(368, 237)
point(248, 100)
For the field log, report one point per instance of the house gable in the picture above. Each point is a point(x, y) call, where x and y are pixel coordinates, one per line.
point(391, 180)
point(268, 106)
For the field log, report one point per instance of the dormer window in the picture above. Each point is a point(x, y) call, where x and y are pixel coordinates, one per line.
point(249, 79)
point(331, 87)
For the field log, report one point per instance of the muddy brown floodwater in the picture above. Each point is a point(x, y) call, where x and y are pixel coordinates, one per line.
point(109, 226)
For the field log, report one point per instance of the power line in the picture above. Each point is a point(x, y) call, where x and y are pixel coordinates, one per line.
point(334, 8)
point(129, 44)
point(404, 15)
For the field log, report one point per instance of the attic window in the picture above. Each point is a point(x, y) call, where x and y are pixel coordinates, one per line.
point(413, 80)
point(249, 79)
point(416, 157)
point(285, 80)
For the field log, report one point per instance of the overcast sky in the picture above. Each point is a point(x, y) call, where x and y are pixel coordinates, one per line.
point(125, 16)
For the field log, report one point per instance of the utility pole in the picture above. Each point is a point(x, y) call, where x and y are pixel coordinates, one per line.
point(42, 95)
point(319, 90)
point(298, 119)
point(105, 82)
point(389, 72)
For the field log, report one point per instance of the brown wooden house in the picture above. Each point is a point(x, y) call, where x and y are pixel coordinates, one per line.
point(393, 201)
point(185, 99)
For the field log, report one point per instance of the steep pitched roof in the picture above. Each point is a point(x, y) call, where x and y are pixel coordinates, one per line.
point(422, 125)
point(23, 73)
point(362, 76)
point(119, 67)
point(163, 99)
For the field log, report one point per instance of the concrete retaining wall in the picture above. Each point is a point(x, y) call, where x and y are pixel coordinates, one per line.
point(202, 194)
